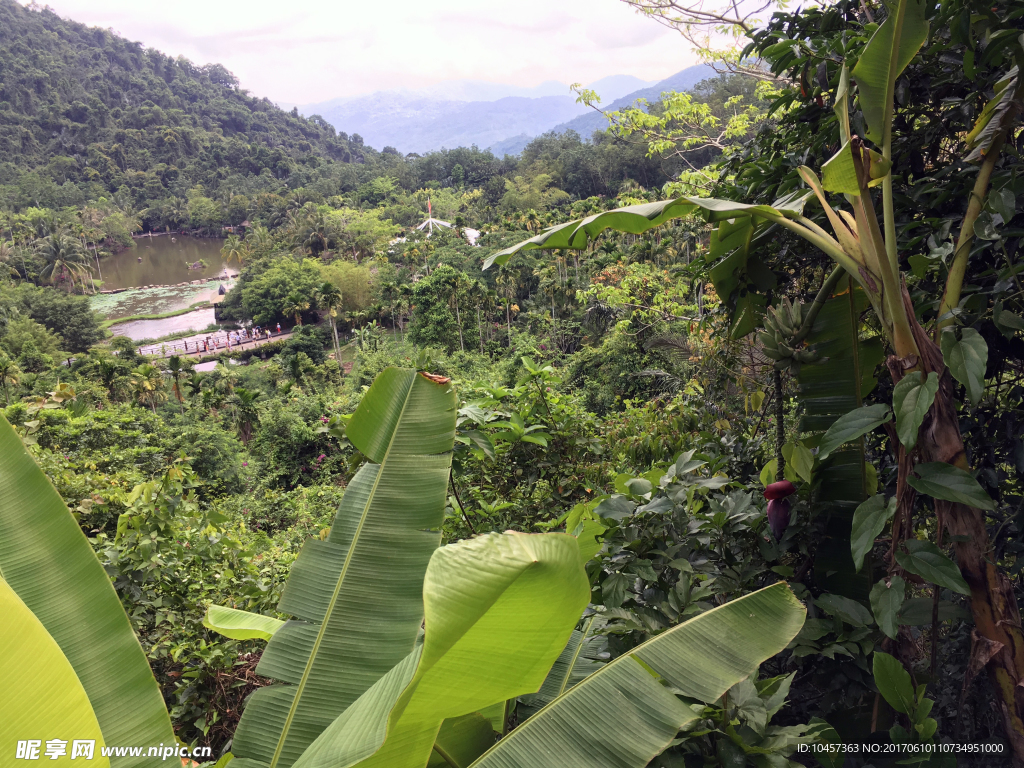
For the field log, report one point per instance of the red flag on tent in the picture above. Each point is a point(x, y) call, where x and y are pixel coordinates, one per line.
point(429, 214)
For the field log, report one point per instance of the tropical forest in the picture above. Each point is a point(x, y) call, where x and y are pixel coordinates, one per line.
point(697, 442)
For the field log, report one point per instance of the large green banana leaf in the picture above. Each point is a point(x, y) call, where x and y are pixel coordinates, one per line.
point(581, 657)
point(623, 715)
point(739, 277)
point(890, 49)
point(830, 388)
point(636, 219)
point(42, 696)
point(499, 609)
point(462, 740)
point(240, 625)
point(47, 561)
point(358, 596)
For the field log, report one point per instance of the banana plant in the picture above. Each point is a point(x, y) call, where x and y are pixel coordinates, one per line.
point(495, 623)
point(54, 588)
point(628, 711)
point(584, 654)
point(43, 696)
point(931, 456)
point(356, 597)
point(499, 610)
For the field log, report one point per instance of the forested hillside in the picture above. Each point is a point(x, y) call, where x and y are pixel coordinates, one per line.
point(87, 112)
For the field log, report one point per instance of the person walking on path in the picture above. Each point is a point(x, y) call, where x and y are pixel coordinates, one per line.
point(278, 329)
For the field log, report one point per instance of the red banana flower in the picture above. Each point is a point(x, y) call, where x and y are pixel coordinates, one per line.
point(778, 506)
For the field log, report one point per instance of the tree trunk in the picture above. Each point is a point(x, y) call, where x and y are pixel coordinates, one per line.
point(993, 604)
point(780, 426)
point(337, 347)
point(458, 319)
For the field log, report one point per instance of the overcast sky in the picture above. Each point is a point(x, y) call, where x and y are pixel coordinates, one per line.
point(302, 52)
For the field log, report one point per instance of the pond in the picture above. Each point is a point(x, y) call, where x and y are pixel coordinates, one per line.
point(163, 260)
point(154, 329)
point(156, 301)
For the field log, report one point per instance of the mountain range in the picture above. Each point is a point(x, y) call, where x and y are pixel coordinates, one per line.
point(498, 117)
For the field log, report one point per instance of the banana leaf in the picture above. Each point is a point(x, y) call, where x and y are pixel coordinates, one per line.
point(636, 219)
point(739, 277)
point(581, 657)
point(903, 32)
point(830, 388)
point(241, 625)
point(47, 561)
point(499, 609)
point(43, 697)
point(357, 597)
point(461, 740)
point(991, 123)
point(626, 713)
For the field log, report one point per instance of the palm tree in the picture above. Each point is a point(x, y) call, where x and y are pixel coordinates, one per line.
point(453, 300)
point(9, 373)
point(234, 248)
point(195, 385)
point(389, 292)
point(224, 379)
point(7, 252)
point(532, 220)
point(244, 413)
point(295, 305)
point(508, 287)
point(64, 257)
point(148, 385)
point(176, 211)
point(124, 203)
point(328, 298)
point(477, 293)
point(312, 229)
point(258, 238)
point(177, 368)
point(404, 306)
point(107, 368)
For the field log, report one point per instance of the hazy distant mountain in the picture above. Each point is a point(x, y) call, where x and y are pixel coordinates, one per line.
point(420, 124)
point(586, 124)
point(511, 146)
point(490, 115)
point(617, 86)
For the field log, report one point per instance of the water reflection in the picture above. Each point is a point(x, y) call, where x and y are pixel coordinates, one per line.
point(163, 260)
point(154, 329)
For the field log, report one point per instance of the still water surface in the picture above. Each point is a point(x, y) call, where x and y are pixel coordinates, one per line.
point(164, 261)
point(154, 329)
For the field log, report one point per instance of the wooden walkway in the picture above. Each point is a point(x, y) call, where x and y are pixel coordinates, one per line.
point(198, 346)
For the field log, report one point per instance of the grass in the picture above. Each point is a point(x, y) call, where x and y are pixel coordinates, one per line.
point(174, 313)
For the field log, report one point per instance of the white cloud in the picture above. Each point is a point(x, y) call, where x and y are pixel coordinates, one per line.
point(319, 49)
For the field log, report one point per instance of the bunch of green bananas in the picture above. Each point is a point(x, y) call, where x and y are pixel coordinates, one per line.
point(782, 338)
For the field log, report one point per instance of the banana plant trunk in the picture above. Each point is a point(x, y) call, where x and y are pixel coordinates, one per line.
point(993, 603)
